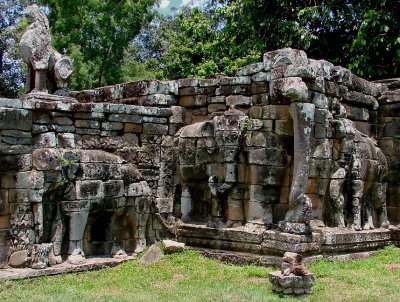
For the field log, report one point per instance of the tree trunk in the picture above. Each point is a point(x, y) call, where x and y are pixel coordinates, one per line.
point(102, 66)
point(1, 61)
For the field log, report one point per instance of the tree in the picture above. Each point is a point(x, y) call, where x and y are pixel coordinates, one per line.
point(96, 34)
point(142, 57)
point(375, 51)
point(361, 35)
point(221, 36)
point(191, 50)
point(225, 34)
point(134, 70)
point(11, 75)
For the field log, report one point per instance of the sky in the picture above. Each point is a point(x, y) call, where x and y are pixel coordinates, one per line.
point(167, 5)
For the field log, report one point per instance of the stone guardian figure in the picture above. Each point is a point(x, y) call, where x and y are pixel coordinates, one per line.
point(42, 60)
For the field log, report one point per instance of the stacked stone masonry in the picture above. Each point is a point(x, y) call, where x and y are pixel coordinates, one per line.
point(286, 141)
point(389, 141)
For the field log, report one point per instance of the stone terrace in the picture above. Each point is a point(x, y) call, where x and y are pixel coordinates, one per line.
point(140, 121)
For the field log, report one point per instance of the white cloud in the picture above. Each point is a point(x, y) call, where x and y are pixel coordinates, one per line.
point(191, 2)
point(164, 3)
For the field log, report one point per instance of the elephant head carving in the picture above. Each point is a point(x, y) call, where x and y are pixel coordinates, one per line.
point(208, 154)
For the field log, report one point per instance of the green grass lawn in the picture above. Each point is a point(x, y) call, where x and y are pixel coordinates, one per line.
point(191, 277)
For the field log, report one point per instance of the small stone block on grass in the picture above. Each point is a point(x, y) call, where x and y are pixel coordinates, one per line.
point(171, 246)
point(152, 255)
point(292, 284)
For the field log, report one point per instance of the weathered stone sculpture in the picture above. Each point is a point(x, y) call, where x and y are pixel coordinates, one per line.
point(209, 151)
point(69, 186)
point(362, 163)
point(357, 153)
point(308, 154)
point(293, 277)
point(42, 60)
point(340, 162)
point(298, 217)
point(302, 111)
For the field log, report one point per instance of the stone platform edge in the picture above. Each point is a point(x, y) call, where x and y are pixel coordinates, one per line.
point(242, 258)
point(323, 241)
point(91, 264)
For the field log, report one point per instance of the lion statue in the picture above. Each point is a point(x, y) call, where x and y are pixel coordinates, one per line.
point(43, 61)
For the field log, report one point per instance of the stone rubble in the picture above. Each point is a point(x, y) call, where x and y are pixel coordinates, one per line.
point(151, 255)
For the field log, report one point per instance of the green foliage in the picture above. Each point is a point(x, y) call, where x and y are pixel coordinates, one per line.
point(66, 166)
point(226, 34)
point(191, 47)
point(375, 52)
point(133, 70)
point(85, 71)
point(259, 26)
point(360, 35)
point(96, 34)
point(194, 46)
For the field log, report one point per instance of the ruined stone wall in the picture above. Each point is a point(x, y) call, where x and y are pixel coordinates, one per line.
point(140, 123)
point(266, 163)
point(43, 138)
point(389, 141)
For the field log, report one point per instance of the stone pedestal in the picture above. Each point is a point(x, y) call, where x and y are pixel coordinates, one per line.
point(395, 234)
point(335, 240)
point(292, 284)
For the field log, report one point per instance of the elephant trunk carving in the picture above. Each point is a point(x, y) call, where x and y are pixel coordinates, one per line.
point(204, 147)
point(220, 192)
point(303, 119)
point(227, 185)
point(298, 217)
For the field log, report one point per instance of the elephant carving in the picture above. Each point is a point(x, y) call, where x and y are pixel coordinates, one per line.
point(356, 168)
point(88, 200)
point(209, 153)
point(302, 111)
point(357, 190)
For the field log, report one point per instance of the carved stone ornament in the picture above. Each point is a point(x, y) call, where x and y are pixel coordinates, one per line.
point(47, 68)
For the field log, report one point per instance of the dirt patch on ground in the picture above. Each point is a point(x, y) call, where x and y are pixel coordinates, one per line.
point(257, 280)
point(393, 266)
